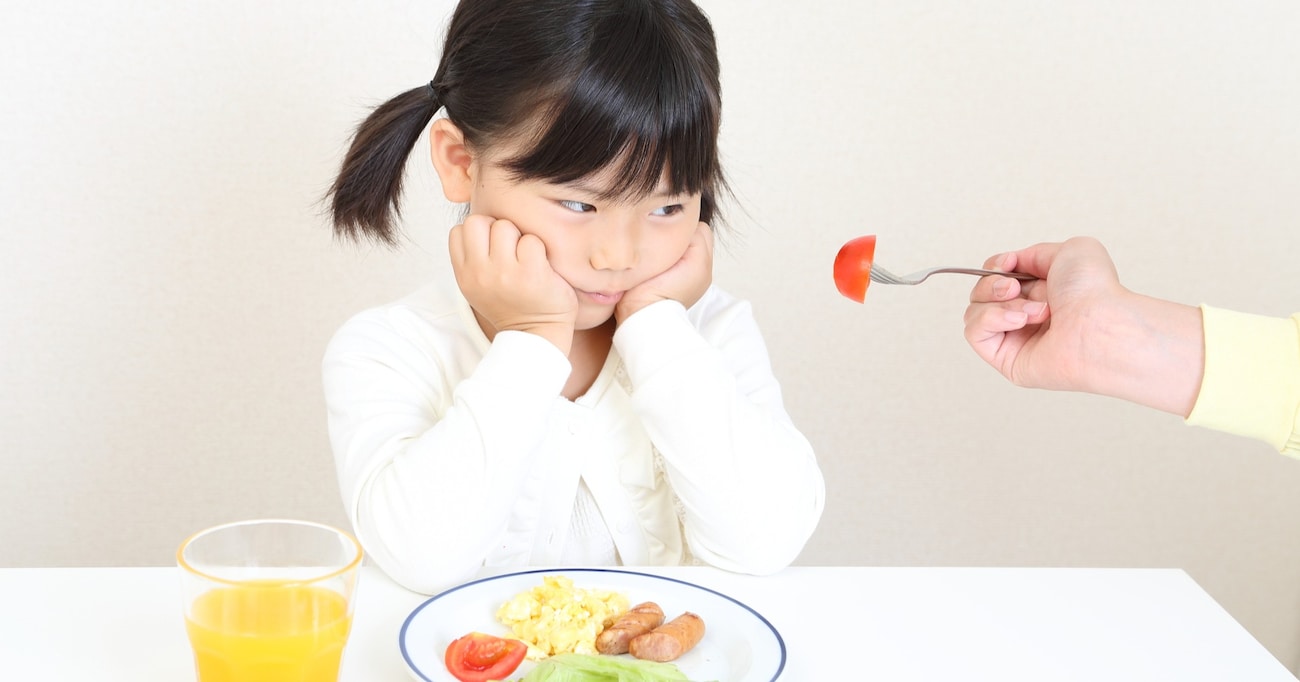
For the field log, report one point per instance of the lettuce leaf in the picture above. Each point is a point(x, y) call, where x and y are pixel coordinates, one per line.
point(583, 668)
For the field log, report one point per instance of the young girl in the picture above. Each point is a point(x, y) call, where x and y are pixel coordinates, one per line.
point(584, 395)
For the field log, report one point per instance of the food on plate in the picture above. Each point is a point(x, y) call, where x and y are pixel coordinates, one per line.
point(670, 640)
point(556, 617)
point(477, 657)
point(584, 668)
point(641, 619)
point(853, 267)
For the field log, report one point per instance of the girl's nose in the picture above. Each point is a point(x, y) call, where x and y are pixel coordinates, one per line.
point(614, 247)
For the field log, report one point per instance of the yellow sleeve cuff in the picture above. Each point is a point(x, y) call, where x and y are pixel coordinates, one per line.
point(1251, 385)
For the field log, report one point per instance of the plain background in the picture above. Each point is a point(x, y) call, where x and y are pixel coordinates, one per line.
point(168, 283)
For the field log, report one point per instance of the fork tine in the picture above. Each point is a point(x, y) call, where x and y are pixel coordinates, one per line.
point(883, 276)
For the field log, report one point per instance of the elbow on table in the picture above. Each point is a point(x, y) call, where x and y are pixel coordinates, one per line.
point(778, 534)
point(414, 554)
point(763, 548)
point(420, 569)
point(755, 558)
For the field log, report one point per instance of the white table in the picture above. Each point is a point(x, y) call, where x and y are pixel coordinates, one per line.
point(896, 624)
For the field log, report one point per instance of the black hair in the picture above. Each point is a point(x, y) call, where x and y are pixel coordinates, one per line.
point(583, 84)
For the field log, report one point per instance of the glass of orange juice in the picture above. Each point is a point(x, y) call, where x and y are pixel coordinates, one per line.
point(269, 600)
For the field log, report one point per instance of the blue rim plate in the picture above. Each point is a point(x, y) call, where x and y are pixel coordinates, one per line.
point(739, 644)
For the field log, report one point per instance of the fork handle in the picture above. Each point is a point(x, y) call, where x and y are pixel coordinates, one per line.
point(978, 271)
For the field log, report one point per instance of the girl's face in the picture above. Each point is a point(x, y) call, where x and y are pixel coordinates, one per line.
point(601, 247)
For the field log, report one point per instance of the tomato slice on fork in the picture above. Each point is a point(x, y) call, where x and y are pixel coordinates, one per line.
point(853, 267)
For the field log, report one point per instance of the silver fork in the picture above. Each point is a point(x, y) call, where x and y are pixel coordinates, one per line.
point(883, 276)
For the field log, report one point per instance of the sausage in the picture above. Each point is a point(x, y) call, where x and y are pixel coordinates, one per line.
point(670, 640)
point(639, 620)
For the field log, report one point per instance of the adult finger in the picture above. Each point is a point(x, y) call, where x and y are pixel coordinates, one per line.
point(994, 288)
point(1037, 259)
point(1000, 261)
point(1005, 316)
point(987, 326)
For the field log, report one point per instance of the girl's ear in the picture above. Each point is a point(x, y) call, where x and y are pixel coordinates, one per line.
point(452, 160)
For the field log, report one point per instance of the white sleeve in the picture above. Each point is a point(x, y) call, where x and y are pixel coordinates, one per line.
point(428, 465)
point(748, 480)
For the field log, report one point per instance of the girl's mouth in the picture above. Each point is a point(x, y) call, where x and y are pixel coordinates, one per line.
point(602, 298)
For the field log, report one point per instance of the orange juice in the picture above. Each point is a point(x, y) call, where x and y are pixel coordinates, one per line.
point(268, 632)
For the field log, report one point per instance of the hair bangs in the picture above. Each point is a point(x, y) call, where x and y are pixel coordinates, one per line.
point(645, 101)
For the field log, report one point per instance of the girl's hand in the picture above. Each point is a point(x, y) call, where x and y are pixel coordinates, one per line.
point(505, 276)
point(684, 282)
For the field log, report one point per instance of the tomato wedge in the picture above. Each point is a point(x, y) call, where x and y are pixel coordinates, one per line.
point(477, 657)
point(853, 267)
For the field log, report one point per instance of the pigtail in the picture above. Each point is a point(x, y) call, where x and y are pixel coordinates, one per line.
point(366, 196)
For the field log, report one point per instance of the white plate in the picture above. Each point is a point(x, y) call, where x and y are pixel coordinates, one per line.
point(739, 645)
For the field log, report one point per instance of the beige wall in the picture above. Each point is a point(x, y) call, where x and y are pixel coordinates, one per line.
point(168, 285)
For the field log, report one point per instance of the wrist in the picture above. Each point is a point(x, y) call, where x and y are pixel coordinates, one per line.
point(1145, 350)
point(629, 307)
point(559, 332)
point(561, 335)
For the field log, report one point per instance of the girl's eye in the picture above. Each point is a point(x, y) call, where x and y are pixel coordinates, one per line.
point(577, 206)
point(667, 210)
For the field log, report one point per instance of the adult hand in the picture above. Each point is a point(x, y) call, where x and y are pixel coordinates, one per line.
point(1077, 328)
point(505, 276)
point(1034, 332)
point(684, 282)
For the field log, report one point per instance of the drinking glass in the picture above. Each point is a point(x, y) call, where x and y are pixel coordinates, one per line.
point(268, 600)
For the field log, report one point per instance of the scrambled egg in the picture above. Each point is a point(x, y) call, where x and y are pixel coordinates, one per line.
point(556, 618)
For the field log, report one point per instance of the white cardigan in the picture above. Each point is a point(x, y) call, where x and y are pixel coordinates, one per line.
point(454, 452)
